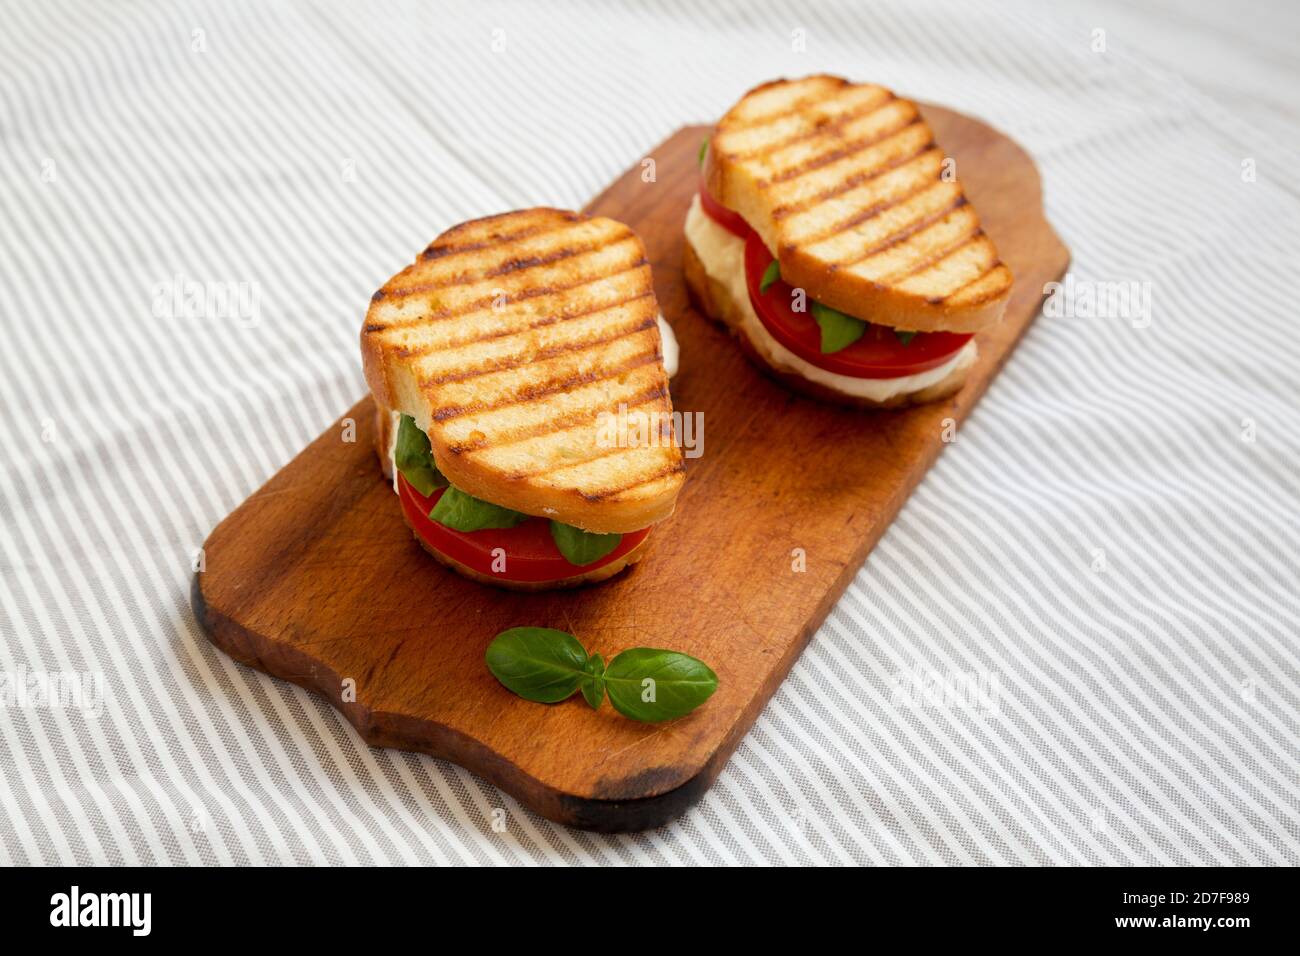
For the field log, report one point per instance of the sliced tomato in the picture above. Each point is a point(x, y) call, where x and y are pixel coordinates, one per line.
point(530, 552)
point(878, 354)
point(733, 222)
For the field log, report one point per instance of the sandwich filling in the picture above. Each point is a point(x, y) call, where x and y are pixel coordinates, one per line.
point(796, 335)
point(672, 351)
point(485, 537)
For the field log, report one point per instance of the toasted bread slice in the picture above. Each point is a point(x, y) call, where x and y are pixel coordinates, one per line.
point(844, 183)
point(506, 341)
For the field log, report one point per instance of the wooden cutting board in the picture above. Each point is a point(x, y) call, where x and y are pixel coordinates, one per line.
point(316, 579)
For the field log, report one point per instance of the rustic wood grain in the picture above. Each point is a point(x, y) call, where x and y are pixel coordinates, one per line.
point(316, 579)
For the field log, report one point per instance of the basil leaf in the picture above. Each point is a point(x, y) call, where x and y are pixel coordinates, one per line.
point(537, 663)
point(462, 512)
point(704, 151)
point(424, 480)
point(593, 685)
point(412, 444)
point(651, 685)
point(770, 275)
point(839, 331)
point(414, 458)
point(904, 337)
point(644, 683)
point(582, 547)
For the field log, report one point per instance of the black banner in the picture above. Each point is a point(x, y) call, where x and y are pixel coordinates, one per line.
point(1225, 907)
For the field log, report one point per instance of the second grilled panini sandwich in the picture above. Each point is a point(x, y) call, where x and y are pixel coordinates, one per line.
point(495, 361)
point(831, 234)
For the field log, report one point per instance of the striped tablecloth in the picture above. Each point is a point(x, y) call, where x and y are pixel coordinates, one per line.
point(1077, 643)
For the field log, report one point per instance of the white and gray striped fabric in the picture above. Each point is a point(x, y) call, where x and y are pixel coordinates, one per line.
point(1078, 642)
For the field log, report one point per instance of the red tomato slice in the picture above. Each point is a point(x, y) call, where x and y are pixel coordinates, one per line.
point(733, 222)
point(531, 554)
point(878, 354)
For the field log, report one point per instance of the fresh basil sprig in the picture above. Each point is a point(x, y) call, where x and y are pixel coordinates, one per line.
point(463, 512)
point(582, 547)
point(770, 275)
point(839, 331)
point(645, 683)
point(904, 337)
point(414, 458)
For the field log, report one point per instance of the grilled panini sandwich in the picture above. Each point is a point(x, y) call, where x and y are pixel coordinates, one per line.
point(500, 361)
point(832, 236)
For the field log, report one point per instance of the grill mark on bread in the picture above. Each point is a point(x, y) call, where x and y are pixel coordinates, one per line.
point(506, 221)
point(997, 264)
point(539, 390)
point(651, 395)
point(857, 178)
point(826, 129)
point(436, 250)
point(528, 358)
point(478, 305)
point(768, 119)
point(846, 149)
point(575, 462)
point(542, 323)
point(940, 257)
point(512, 267)
point(820, 95)
point(902, 235)
point(504, 226)
point(923, 263)
point(525, 263)
point(609, 492)
point(870, 212)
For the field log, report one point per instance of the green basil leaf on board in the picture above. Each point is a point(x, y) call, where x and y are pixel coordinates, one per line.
point(462, 512)
point(904, 337)
point(770, 275)
point(593, 685)
point(839, 331)
point(582, 547)
point(545, 665)
point(538, 663)
point(414, 458)
point(651, 685)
